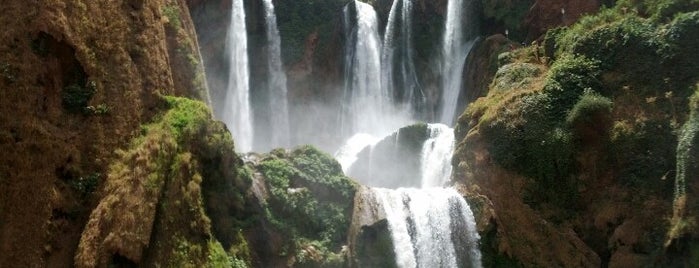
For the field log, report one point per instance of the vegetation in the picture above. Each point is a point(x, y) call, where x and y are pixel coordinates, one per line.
point(172, 13)
point(597, 113)
point(310, 203)
point(76, 97)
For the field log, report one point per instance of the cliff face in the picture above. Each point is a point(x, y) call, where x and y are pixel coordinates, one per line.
point(578, 141)
point(78, 79)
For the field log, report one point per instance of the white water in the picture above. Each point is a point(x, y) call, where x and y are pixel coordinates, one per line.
point(455, 49)
point(397, 52)
point(436, 156)
point(423, 227)
point(280, 132)
point(430, 226)
point(369, 106)
point(236, 111)
point(347, 154)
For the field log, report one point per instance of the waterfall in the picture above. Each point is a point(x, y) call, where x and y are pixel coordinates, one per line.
point(455, 49)
point(277, 82)
point(236, 111)
point(369, 106)
point(436, 156)
point(347, 154)
point(397, 54)
point(431, 226)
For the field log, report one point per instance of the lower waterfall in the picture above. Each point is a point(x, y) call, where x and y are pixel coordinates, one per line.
point(430, 226)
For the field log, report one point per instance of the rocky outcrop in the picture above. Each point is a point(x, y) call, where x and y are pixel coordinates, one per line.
point(578, 148)
point(394, 161)
point(152, 211)
point(481, 65)
point(78, 80)
point(370, 242)
point(549, 14)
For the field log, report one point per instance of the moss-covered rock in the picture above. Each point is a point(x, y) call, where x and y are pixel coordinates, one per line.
point(153, 209)
point(591, 138)
point(308, 208)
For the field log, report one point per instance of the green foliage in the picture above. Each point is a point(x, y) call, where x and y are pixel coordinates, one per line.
point(185, 116)
point(643, 152)
point(530, 140)
point(659, 10)
point(172, 13)
point(75, 97)
point(310, 199)
point(515, 75)
point(568, 78)
point(85, 185)
point(551, 40)
point(589, 108)
point(687, 150)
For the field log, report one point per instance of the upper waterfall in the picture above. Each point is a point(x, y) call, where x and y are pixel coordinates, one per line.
point(397, 55)
point(279, 121)
point(458, 30)
point(236, 111)
point(368, 106)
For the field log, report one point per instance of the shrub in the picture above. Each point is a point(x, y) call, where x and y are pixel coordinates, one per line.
point(515, 75)
point(589, 109)
point(568, 78)
point(310, 199)
point(85, 185)
point(75, 97)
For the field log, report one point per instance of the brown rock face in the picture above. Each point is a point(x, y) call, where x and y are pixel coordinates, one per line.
point(547, 14)
point(520, 232)
point(481, 66)
point(80, 77)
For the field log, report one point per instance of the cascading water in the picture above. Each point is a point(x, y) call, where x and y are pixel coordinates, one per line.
point(236, 111)
point(277, 81)
point(436, 156)
point(369, 106)
point(397, 54)
point(455, 49)
point(430, 226)
point(347, 154)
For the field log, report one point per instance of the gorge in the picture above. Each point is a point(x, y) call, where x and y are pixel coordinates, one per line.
point(349, 133)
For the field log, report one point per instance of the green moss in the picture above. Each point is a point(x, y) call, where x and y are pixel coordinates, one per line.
point(515, 75)
point(172, 13)
point(185, 116)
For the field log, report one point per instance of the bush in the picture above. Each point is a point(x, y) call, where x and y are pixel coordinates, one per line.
point(515, 75)
point(568, 78)
point(589, 109)
point(85, 185)
point(75, 97)
point(310, 199)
